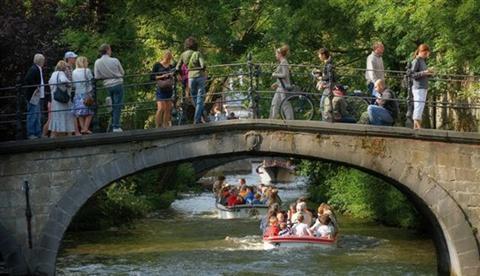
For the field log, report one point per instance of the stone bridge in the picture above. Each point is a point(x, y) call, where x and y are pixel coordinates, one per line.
point(439, 171)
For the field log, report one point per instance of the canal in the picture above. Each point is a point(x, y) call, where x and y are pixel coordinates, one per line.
point(188, 239)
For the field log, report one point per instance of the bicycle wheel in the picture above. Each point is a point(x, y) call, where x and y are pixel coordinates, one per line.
point(302, 106)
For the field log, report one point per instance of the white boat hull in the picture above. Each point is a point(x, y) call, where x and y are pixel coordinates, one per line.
point(298, 242)
point(241, 211)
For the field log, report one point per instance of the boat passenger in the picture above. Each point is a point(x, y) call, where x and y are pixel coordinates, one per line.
point(325, 209)
point(234, 199)
point(302, 210)
point(281, 217)
point(243, 191)
point(224, 195)
point(256, 200)
point(291, 211)
point(242, 182)
point(250, 197)
point(218, 185)
point(272, 230)
point(285, 230)
point(323, 228)
point(274, 198)
point(301, 229)
point(272, 211)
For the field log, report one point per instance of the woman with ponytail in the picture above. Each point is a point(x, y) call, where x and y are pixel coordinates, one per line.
point(420, 74)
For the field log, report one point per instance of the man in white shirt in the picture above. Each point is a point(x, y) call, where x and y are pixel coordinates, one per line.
point(111, 72)
point(375, 70)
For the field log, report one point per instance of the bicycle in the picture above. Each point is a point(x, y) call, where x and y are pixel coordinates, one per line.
point(302, 102)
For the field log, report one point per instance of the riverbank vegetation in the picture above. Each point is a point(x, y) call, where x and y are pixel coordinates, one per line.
point(360, 195)
point(134, 197)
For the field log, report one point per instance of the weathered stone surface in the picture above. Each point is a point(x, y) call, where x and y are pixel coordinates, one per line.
point(439, 167)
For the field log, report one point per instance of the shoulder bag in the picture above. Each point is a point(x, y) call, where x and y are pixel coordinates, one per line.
point(61, 94)
point(88, 99)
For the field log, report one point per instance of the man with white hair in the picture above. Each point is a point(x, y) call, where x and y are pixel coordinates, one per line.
point(34, 94)
point(375, 70)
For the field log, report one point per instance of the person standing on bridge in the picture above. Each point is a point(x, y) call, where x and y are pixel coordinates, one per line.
point(71, 59)
point(62, 121)
point(420, 74)
point(162, 73)
point(282, 85)
point(34, 93)
point(375, 70)
point(195, 63)
point(111, 72)
point(325, 80)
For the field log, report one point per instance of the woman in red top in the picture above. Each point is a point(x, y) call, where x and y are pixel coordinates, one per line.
point(273, 229)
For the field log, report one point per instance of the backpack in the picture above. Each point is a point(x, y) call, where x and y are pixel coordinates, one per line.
point(395, 106)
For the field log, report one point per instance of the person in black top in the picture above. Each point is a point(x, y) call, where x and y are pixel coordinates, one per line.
point(162, 73)
point(34, 94)
point(327, 77)
point(385, 109)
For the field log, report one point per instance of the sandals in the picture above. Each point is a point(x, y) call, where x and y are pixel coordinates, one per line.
point(86, 132)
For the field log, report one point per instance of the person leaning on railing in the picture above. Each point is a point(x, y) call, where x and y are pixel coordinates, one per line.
point(110, 70)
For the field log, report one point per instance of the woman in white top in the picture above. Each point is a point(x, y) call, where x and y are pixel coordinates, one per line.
point(323, 228)
point(82, 81)
point(62, 121)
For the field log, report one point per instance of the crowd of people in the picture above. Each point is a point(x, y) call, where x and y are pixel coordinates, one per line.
point(231, 195)
point(383, 108)
point(72, 80)
point(69, 107)
point(299, 221)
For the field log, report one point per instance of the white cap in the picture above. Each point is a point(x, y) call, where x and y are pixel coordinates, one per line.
point(70, 54)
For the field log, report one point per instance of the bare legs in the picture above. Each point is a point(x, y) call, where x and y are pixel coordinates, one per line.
point(163, 115)
point(84, 123)
point(417, 124)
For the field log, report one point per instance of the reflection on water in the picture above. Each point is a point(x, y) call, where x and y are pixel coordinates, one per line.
point(187, 239)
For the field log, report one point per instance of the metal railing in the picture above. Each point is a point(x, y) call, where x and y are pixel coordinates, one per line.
point(249, 80)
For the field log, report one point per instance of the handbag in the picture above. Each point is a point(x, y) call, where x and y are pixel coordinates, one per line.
point(165, 83)
point(61, 95)
point(88, 100)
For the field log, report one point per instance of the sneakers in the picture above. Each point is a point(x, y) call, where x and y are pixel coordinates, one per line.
point(31, 137)
point(117, 130)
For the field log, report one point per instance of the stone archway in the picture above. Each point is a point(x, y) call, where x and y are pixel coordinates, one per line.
point(395, 159)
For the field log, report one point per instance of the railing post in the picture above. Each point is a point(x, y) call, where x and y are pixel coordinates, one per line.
point(408, 80)
point(18, 112)
point(95, 122)
point(251, 88)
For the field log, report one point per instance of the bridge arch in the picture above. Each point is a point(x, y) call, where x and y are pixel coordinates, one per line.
point(403, 161)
